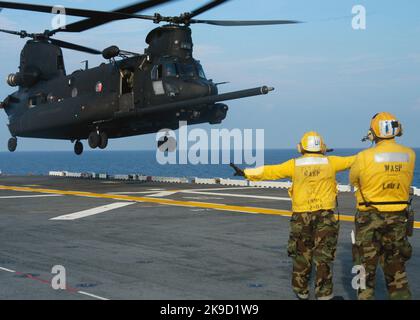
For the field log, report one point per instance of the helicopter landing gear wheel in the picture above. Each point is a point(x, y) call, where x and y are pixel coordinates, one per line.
point(78, 148)
point(12, 144)
point(103, 140)
point(94, 139)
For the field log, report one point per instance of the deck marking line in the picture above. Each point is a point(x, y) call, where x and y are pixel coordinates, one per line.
point(37, 196)
point(7, 270)
point(92, 295)
point(69, 289)
point(227, 188)
point(131, 192)
point(154, 193)
point(163, 194)
point(171, 202)
point(93, 211)
point(235, 195)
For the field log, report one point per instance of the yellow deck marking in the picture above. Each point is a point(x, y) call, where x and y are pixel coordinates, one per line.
point(171, 202)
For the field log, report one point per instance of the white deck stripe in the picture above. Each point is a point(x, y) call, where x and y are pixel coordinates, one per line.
point(235, 195)
point(163, 190)
point(221, 189)
point(158, 194)
point(36, 196)
point(81, 292)
point(7, 270)
point(131, 192)
point(92, 295)
point(162, 194)
point(93, 211)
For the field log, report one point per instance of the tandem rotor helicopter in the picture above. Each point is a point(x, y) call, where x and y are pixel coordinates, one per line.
point(132, 94)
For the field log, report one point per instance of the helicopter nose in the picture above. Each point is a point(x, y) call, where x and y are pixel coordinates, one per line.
point(197, 89)
point(200, 89)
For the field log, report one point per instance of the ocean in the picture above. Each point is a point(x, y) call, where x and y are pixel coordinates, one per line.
point(139, 162)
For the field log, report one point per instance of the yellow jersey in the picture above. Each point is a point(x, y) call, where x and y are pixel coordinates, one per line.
point(314, 185)
point(383, 173)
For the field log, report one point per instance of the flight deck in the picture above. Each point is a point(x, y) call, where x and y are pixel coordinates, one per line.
point(156, 240)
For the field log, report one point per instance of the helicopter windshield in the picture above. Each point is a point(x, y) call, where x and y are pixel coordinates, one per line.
point(187, 70)
point(171, 70)
point(200, 70)
point(191, 70)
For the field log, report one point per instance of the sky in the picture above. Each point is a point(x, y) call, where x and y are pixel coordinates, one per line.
point(327, 76)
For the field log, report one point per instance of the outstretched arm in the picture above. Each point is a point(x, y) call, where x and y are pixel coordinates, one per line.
point(342, 163)
point(273, 172)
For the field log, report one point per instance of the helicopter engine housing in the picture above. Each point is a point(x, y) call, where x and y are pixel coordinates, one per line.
point(14, 79)
point(27, 79)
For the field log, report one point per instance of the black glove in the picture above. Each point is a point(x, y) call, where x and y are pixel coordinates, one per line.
point(238, 171)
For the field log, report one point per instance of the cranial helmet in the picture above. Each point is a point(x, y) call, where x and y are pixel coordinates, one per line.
point(384, 125)
point(312, 142)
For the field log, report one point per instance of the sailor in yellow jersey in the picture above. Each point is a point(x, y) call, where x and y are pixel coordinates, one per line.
point(314, 228)
point(382, 176)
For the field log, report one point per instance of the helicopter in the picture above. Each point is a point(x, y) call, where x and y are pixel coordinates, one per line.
point(132, 94)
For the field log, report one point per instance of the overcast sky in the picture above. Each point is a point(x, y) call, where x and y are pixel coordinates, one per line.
point(328, 77)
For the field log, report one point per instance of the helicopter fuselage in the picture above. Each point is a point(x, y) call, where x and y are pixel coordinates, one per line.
point(132, 94)
point(105, 98)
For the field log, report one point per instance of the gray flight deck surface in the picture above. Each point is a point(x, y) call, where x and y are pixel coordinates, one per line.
point(153, 249)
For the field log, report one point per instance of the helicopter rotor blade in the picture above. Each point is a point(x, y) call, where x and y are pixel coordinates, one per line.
point(60, 43)
point(97, 18)
point(17, 33)
point(68, 11)
point(49, 9)
point(22, 33)
point(72, 46)
point(206, 7)
point(90, 23)
point(238, 23)
point(74, 12)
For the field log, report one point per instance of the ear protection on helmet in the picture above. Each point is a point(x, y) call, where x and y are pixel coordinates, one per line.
point(400, 132)
point(324, 148)
point(370, 136)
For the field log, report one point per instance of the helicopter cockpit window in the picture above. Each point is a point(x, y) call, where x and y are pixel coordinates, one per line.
point(186, 45)
point(157, 72)
point(200, 70)
point(187, 70)
point(37, 100)
point(60, 62)
point(171, 70)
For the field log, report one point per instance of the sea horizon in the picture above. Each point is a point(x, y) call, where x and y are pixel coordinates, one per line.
point(142, 162)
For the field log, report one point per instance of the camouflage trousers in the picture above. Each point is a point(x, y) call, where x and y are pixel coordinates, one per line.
point(381, 240)
point(313, 241)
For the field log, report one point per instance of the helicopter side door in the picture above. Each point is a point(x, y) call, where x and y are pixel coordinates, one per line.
point(126, 91)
